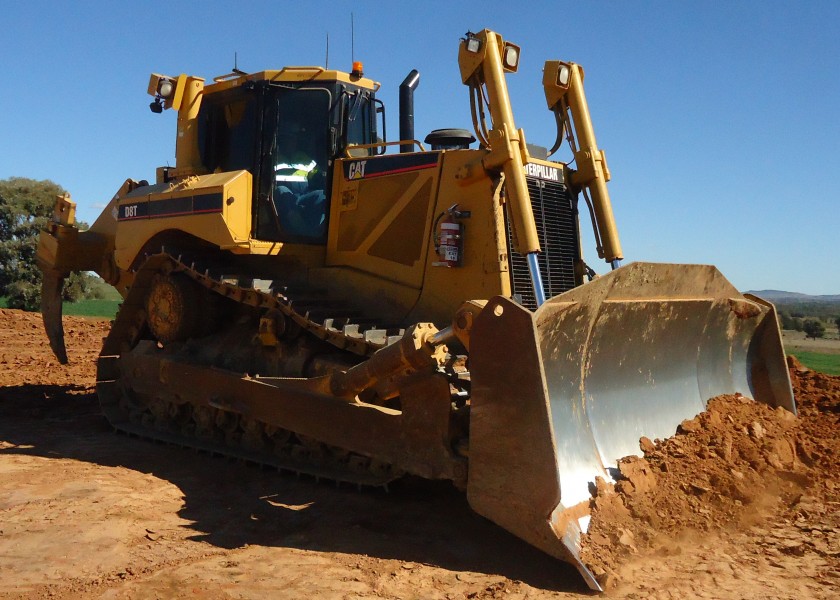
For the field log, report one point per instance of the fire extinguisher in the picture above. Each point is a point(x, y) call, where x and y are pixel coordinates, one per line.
point(449, 237)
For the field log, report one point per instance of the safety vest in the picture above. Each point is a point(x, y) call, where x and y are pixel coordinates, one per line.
point(293, 171)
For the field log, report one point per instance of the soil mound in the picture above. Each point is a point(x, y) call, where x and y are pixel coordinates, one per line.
point(736, 466)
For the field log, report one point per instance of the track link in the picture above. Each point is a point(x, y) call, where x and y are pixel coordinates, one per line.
point(214, 430)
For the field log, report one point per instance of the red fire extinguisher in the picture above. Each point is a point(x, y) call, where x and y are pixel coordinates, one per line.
point(449, 237)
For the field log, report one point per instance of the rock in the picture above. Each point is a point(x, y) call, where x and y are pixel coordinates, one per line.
point(795, 547)
point(784, 415)
point(638, 472)
point(689, 426)
point(698, 489)
point(646, 445)
point(626, 538)
point(602, 487)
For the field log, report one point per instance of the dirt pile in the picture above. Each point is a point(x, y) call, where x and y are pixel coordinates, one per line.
point(738, 465)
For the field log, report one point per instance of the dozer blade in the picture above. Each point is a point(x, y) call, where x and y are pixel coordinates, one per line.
point(561, 394)
point(51, 288)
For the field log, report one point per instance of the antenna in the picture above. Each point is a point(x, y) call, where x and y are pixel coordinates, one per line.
point(236, 65)
point(327, 62)
point(352, 39)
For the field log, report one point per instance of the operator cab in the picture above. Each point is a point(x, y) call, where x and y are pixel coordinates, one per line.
point(287, 133)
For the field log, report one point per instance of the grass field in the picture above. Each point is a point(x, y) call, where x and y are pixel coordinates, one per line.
point(822, 355)
point(824, 363)
point(104, 308)
point(92, 308)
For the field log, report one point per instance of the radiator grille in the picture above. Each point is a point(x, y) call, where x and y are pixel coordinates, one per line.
point(557, 229)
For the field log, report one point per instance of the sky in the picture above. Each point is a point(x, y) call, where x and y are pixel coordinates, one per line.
point(720, 120)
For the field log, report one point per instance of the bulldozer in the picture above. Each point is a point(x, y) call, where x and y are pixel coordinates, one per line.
point(302, 293)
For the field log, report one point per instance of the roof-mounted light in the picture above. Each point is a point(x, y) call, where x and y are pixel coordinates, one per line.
point(165, 88)
point(563, 75)
point(473, 44)
point(510, 57)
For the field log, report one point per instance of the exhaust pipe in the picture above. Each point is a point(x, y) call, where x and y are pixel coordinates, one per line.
point(407, 88)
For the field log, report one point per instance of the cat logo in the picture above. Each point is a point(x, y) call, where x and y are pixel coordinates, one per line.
point(356, 170)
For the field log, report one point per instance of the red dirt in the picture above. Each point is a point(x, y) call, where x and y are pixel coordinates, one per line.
point(742, 503)
point(740, 470)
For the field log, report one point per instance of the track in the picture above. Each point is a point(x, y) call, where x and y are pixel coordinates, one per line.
point(207, 428)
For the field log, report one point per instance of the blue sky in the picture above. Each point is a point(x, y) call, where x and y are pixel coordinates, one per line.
point(719, 119)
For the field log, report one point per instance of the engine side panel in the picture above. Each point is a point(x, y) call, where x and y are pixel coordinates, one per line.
point(383, 225)
point(381, 215)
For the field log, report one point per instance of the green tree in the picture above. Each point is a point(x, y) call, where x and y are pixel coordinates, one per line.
point(25, 207)
point(813, 328)
point(785, 320)
point(837, 322)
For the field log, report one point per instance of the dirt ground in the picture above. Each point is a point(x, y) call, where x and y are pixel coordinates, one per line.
point(87, 513)
point(796, 340)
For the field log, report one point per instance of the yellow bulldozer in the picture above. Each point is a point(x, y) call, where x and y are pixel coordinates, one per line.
point(302, 293)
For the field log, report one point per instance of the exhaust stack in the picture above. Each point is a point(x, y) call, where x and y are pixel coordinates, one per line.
point(407, 88)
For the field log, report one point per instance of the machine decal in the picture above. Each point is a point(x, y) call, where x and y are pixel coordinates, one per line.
point(389, 165)
point(135, 210)
point(171, 207)
point(542, 172)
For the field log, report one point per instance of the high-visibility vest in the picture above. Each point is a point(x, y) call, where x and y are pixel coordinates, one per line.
point(293, 171)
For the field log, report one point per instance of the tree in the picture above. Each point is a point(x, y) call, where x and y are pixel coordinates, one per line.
point(785, 320)
point(25, 207)
point(837, 322)
point(813, 328)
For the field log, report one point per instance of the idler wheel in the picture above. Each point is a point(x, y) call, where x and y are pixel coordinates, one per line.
point(172, 307)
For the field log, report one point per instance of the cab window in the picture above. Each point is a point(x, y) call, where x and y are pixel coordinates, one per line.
point(294, 206)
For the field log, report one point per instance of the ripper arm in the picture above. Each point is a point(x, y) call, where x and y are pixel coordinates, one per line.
point(62, 249)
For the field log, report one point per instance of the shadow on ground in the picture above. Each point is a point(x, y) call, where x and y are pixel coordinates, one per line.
point(231, 504)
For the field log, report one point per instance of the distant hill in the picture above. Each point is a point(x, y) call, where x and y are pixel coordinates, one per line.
point(780, 297)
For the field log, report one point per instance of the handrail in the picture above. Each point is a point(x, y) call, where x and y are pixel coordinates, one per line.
point(229, 76)
point(380, 145)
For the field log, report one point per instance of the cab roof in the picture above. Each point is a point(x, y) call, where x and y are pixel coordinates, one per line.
point(290, 75)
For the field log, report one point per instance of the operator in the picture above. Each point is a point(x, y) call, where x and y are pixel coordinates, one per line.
point(299, 186)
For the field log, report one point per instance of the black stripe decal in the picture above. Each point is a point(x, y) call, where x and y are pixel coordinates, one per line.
point(171, 207)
